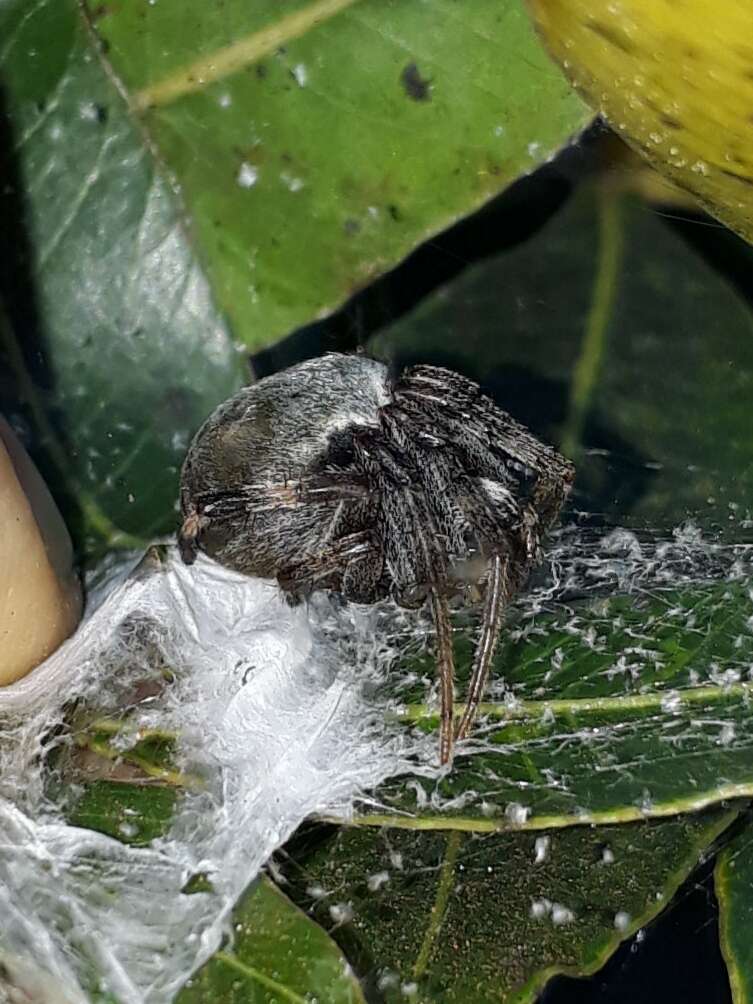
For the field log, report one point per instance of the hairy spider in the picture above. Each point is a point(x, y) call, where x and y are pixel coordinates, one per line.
point(332, 475)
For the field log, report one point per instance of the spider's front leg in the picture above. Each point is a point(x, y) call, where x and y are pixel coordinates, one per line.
point(553, 483)
point(349, 564)
point(446, 670)
point(188, 535)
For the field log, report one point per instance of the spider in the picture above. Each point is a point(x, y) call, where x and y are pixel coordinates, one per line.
point(333, 475)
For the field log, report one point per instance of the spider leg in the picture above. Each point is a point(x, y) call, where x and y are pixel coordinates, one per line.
point(554, 473)
point(313, 571)
point(188, 535)
point(499, 590)
point(467, 509)
point(328, 497)
point(327, 487)
point(446, 669)
point(509, 484)
point(495, 444)
point(413, 550)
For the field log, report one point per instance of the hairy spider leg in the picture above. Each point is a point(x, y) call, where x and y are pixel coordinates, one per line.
point(446, 669)
point(188, 535)
point(412, 547)
point(554, 473)
point(492, 521)
point(499, 590)
point(493, 443)
point(303, 577)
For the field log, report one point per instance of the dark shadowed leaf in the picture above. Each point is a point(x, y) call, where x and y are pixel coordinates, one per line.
point(734, 890)
point(607, 333)
point(111, 348)
point(456, 917)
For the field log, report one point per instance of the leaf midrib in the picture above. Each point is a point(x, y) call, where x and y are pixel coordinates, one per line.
point(602, 817)
point(251, 973)
point(230, 59)
point(527, 710)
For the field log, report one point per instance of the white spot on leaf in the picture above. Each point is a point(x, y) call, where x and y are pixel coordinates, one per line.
point(248, 175)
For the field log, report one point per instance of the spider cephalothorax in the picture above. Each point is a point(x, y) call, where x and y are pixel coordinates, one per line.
point(332, 475)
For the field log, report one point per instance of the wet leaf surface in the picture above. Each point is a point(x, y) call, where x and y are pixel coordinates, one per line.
point(298, 132)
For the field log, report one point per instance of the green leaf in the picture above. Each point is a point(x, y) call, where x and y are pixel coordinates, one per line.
point(608, 333)
point(316, 143)
point(108, 335)
point(458, 918)
point(734, 891)
point(278, 955)
point(132, 813)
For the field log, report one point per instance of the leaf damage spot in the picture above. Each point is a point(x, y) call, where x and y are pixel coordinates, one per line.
point(417, 88)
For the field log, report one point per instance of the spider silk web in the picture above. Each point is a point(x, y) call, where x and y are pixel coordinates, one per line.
point(280, 713)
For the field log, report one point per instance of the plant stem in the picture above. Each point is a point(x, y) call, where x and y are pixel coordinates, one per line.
point(588, 365)
point(172, 777)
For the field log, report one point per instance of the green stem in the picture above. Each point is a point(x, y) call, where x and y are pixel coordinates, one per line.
point(116, 727)
point(588, 366)
point(172, 777)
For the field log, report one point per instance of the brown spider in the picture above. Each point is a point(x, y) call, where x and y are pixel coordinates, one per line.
point(331, 475)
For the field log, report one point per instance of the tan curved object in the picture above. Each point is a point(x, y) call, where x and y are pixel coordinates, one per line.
point(675, 80)
point(40, 597)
